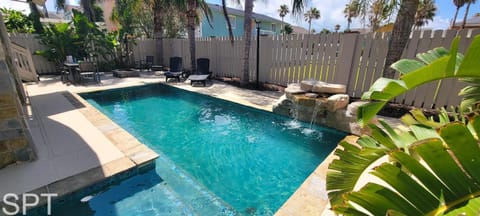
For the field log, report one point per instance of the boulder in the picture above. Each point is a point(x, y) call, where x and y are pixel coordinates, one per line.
point(293, 88)
point(321, 87)
point(336, 102)
point(307, 85)
point(311, 95)
point(353, 107)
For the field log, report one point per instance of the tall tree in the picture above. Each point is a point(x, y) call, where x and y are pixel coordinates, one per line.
point(282, 12)
point(401, 31)
point(311, 14)
point(458, 4)
point(351, 11)
point(425, 12)
point(469, 2)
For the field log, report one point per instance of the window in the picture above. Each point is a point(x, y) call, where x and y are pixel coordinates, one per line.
point(274, 27)
point(233, 21)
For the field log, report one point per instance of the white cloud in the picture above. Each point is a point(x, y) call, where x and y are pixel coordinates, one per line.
point(438, 23)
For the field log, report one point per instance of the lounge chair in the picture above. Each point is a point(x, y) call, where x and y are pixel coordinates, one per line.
point(176, 69)
point(202, 73)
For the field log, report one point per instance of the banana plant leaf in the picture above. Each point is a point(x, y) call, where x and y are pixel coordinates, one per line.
point(439, 176)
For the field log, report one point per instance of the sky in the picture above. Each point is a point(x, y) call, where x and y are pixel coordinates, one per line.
point(331, 12)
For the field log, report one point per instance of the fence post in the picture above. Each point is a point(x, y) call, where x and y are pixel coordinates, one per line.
point(348, 43)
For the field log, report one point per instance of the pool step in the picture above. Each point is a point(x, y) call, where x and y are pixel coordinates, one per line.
point(199, 199)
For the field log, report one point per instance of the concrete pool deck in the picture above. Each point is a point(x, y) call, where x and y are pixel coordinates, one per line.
point(67, 132)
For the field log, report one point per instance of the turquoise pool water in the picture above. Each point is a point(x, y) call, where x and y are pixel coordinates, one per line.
point(234, 159)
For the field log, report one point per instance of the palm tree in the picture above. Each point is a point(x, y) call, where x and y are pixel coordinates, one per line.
point(426, 11)
point(378, 12)
point(247, 28)
point(351, 11)
point(283, 11)
point(469, 2)
point(401, 31)
point(458, 4)
point(311, 14)
point(192, 8)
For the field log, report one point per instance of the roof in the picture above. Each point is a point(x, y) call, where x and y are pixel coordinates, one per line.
point(473, 21)
point(237, 12)
point(299, 30)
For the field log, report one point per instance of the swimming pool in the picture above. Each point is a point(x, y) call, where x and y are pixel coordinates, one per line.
point(216, 157)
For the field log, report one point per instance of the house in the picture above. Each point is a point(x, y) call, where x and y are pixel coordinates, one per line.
point(297, 30)
point(218, 28)
point(472, 22)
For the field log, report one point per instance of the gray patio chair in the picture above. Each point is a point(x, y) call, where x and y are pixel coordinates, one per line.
point(88, 72)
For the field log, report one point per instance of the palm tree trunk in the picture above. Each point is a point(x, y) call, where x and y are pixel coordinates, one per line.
point(158, 30)
point(309, 26)
point(282, 29)
point(349, 21)
point(191, 14)
point(35, 15)
point(229, 24)
point(400, 34)
point(466, 14)
point(88, 9)
point(247, 36)
point(455, 18)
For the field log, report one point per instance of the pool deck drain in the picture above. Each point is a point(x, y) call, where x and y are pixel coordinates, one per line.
point(77, 145)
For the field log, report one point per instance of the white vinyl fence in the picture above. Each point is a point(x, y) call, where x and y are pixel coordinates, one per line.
point(355, 60)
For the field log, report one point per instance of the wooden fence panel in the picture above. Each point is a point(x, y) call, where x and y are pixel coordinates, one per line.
point(444, 88)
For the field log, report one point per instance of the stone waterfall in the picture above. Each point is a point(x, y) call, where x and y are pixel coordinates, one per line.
point(320, 103)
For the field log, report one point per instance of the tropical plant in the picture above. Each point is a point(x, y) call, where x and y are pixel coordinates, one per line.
point(425, 11)
point(287, 29)
point(15, 21)
point(458, 4)
point(310, 15)
point(351, 11)
point(80, 38)
point(324, 31)
point(282, 12)
point(379, 12)
point(468, 2)
point(60, 42)
point(429, 168)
